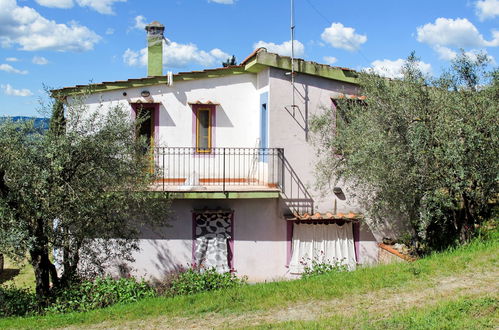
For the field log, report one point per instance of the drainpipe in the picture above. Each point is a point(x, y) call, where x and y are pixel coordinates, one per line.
point(155, 38)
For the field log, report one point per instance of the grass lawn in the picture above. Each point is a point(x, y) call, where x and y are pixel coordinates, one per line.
point(454, 289)
point(20, 275)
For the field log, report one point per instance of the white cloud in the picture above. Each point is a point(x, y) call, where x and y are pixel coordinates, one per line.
point(393, 69)
point(487, 9)
point(12, 59)
point(177, 55)
point(330, 60)
point(343, 37)
point(25, 27)
point(473, 54)
point(9, 90)
point(449, 54)
point(63, 4)
point(140, 22)
point(10, 69)
point(458, 33)
point(445, 53)
point(224, 2)
point(283, 49)
point(100, 6)
point(133, 58)
point(39, 60)
point(109, 31)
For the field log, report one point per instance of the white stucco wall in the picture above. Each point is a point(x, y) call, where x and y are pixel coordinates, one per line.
point(237, 115)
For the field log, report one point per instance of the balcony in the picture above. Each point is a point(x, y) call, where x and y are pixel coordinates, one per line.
point(230, 170)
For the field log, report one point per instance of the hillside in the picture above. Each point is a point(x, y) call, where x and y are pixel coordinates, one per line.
point(39, 122)
point(454, 289)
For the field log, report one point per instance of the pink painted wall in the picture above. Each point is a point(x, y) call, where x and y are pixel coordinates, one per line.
point(260, 241)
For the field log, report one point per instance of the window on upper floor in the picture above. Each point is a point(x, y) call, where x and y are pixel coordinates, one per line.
point(146, 115)
point(344, 110)
point(204, 128)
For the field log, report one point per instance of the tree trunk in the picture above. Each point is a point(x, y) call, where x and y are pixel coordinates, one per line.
point(42, 275)
point(44, 269)
point(466, 222)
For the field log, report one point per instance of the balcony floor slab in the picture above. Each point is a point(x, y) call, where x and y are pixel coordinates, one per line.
point(217, 192)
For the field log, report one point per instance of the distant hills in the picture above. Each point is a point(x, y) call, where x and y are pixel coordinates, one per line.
point(39, 122)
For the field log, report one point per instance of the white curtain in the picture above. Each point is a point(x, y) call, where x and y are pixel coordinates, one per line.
point(324, 243)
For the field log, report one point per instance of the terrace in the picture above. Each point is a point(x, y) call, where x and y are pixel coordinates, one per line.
point(230, 173)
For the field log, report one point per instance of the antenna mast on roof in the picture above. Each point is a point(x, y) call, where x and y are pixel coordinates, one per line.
point(293, 51)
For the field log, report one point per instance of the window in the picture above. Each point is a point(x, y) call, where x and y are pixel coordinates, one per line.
point(147, 116)
point(213, 240)
point(344, 110)
point(203, 129)
point(264, 126)
point(322, 243)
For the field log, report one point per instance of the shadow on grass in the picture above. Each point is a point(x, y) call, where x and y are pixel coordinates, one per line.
point(8, 274)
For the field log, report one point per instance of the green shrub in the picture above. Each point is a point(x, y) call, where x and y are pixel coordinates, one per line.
point(17, 302)
point(319, 268)
point(102, 292)
point(195, 280)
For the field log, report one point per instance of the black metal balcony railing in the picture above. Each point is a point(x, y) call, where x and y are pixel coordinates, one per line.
point(226, 169)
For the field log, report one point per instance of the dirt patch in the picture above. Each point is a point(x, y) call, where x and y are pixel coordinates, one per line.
point(382, 302)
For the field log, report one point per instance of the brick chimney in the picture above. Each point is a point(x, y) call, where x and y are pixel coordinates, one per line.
point(155, 38)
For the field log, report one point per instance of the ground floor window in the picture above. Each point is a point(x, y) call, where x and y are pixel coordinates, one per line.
point(322, 242)
point(212, 238)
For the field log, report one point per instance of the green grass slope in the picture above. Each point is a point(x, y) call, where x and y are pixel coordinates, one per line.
point(454, 289)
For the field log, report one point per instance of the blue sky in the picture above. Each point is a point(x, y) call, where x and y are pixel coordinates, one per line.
point(58, 43)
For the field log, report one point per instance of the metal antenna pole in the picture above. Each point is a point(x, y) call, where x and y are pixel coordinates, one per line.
point(293, 52)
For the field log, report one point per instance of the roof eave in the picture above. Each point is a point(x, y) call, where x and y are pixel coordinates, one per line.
point(144, 82)
point(262, 59)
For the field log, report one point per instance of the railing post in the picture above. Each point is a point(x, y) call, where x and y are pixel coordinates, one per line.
point(163, 165)
point(223, 180)
point(280, 152)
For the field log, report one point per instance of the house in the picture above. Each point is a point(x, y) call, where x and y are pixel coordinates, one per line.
point(233, 149)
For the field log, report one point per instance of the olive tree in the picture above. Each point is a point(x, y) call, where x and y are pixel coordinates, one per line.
point(80, 188)
point(423, 148)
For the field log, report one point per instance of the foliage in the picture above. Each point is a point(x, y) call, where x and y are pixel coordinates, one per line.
point(79, 189)
point(17, 301)
point(76, 296)
point(230, 61)
point(325, 267)
point(195, 280)
point(424, 150)
point(86, 295)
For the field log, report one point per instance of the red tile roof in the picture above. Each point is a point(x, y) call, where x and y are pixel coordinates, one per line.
point(395, 252)
point(350, 97)
point(326, 216)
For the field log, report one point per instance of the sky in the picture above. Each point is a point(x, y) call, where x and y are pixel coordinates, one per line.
point(58, 43)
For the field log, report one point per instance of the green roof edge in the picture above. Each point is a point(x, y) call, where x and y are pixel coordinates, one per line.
point(258, 61)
